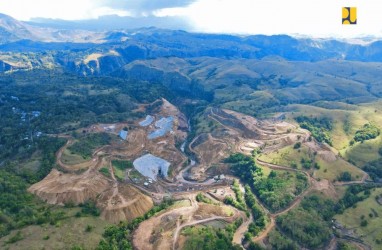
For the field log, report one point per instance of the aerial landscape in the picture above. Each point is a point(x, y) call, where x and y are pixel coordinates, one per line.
point(139, 129)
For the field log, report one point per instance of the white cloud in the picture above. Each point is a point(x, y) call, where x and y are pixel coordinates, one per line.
point(104, 11)
point(320, 18)
point(309, 17)
point(57, 9)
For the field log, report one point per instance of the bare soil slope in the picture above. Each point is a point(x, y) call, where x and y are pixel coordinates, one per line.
point(127, 204)
point(60, 188)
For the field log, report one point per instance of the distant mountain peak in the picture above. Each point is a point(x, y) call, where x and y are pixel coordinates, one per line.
point(13, 30)
point(2, 15)
point(9, 22)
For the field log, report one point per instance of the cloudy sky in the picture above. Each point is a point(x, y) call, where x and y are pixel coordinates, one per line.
point(319, 18)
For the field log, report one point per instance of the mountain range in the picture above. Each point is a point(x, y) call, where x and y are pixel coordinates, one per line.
point(86, 52)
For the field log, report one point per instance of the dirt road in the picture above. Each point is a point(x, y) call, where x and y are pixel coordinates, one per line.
point(239, 234)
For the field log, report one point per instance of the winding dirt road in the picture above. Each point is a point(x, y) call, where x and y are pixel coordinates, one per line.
point(239, 234)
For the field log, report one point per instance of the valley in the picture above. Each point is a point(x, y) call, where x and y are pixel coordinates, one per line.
point(164, 139)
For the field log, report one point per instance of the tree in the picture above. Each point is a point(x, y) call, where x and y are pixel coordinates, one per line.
point(345, 176)
point(364, 223)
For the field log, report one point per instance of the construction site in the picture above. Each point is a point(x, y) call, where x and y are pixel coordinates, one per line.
point(159, 168)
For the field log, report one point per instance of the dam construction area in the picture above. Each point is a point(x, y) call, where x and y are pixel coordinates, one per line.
point(156, 161)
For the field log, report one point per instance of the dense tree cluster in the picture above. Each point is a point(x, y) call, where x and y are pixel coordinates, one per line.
point(202, 198)
point(324, 207)
point(319, 127)
point(276, 191)
point(311, 222)
point(374, 169)
point(272, 189)
point(305, 227)
point(89, 208)
point(345, 176)
point(239, 202)
point(19, 208)
point(208, 238)
point(353, 195)
point(243, 166)
point(258, 216)
point(367, 132)
point(122, 164)
point(280, 242)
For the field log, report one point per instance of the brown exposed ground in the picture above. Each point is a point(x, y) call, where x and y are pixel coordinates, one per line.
point(127, 204)
point(221, 193)
point(163, 230)
point(60, 188)
point(239, 133)
point(210, 152)
point(325, 187)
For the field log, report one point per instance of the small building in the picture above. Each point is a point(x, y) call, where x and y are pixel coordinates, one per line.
point(110, 128)
point(36, 113)
point(147, 121)
point(123, 134)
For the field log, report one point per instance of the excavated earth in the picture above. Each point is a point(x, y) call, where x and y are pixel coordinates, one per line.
point(117, 201)
point(60, 188)
point(128, 204)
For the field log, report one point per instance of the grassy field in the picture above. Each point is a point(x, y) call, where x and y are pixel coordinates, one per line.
point(253, 101)
point(105, 171)
point(347, 119)
point(120, 167)
point(181, 203)
point(372, 213)
point(288, 156)
point(32, 164)
point(119, 174)
point(134, 174)
point(266, 170)
point(339, 136)
point(72, 232)
point(228, 210)
point(340, 190)
point(205, 124)
point(362, 153)
point(71, 158)
point(329, 170)
point(89, 143)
